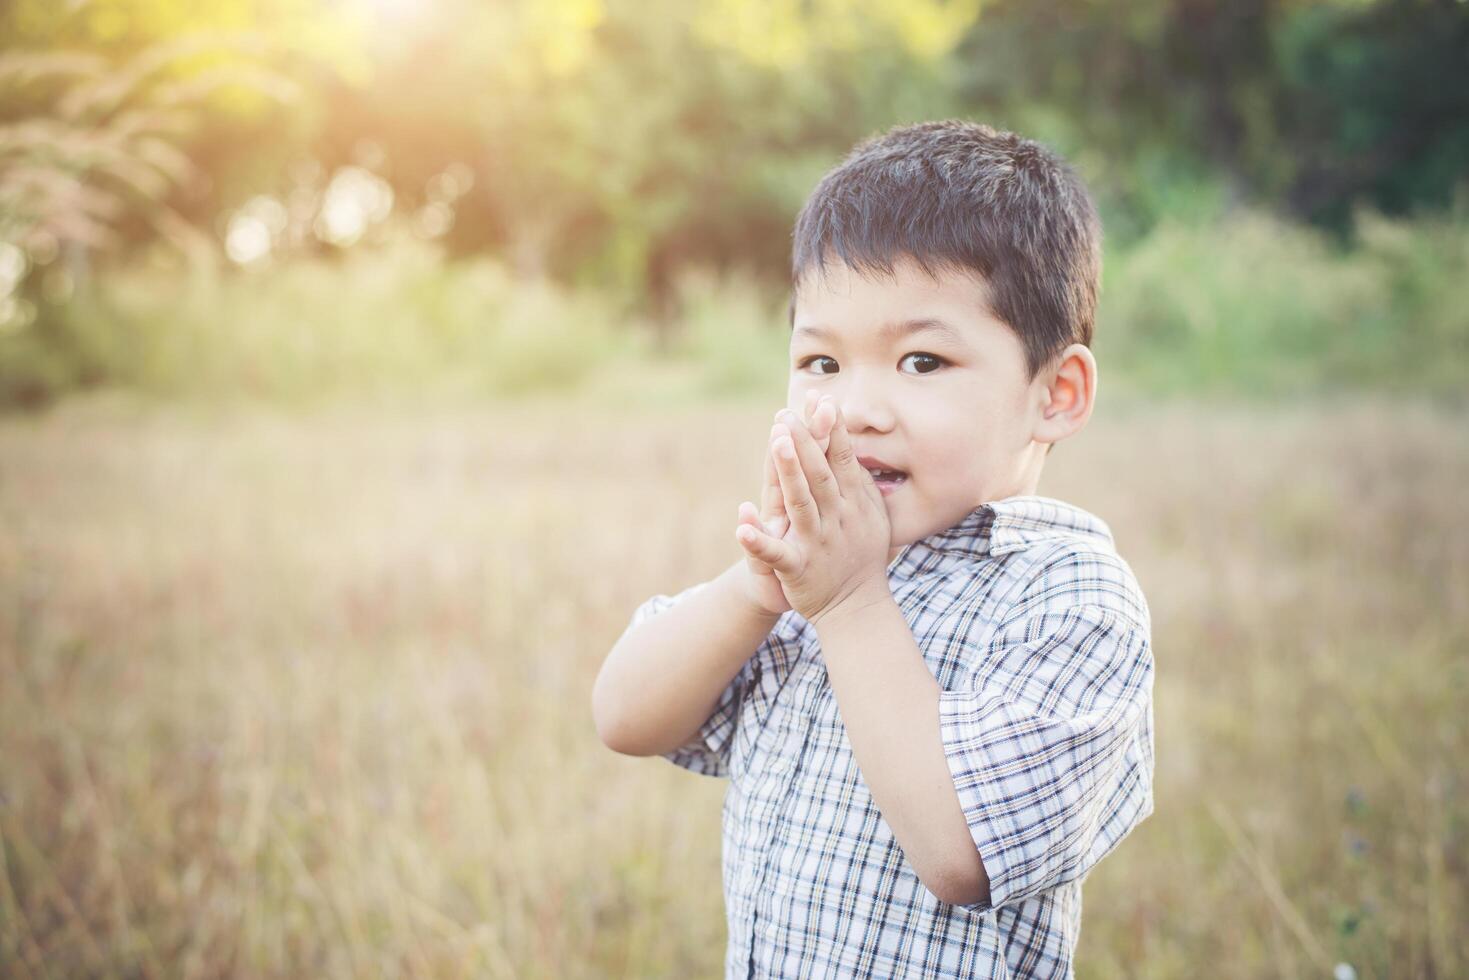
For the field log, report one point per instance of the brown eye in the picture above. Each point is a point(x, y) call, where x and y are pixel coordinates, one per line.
point(934, 358)
point(817, 357)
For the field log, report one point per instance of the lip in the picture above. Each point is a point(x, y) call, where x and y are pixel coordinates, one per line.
point(885, 487)
point(874, 463)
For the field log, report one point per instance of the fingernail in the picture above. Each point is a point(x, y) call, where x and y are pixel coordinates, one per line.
point(786, 415)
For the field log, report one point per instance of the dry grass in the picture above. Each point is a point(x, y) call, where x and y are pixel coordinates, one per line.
point(308, 694)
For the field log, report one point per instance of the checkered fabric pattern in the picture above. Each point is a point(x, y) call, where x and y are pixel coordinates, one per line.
point(1039, 637)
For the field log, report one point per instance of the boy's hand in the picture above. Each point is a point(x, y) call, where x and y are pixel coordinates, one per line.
point(835, 550)
point(764, 588)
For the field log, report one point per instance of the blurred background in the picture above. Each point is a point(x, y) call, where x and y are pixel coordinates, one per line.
point(364, 363)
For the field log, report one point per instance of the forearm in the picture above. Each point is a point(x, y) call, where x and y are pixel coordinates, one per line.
point(889, 703)
point(662, 680)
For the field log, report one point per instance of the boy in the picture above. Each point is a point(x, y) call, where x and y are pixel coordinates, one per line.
point(931, 689)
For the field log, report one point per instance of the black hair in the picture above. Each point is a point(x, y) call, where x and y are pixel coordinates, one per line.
point(962, 196)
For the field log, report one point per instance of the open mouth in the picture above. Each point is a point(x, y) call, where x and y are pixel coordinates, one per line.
point(887, 478)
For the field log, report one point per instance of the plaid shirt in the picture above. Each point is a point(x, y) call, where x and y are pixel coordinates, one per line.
point(1038, 635)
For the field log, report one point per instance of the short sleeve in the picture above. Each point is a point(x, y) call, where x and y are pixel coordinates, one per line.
point(707, 751)
point(1052, 754)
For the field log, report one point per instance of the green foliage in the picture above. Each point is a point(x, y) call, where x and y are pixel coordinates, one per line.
point(1257, 306)
point(1364, 111)
point(735, 333)
point(615, 142)
point(90, 159)
point(1243, 305)
point(612, 150)
point(397, 317)
point(1311, 109)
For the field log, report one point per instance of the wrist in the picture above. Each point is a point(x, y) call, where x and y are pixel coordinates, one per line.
point(736, 582)
point(861, 600)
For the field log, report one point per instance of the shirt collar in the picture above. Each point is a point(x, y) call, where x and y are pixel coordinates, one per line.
point(998, 528)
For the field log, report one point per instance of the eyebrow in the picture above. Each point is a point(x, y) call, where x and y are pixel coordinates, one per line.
point(891, 330)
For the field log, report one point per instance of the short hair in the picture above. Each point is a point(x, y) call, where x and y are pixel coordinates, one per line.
point(962, 196)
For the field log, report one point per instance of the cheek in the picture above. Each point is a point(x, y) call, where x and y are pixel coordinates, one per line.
point(957, 456)
point(796, 390)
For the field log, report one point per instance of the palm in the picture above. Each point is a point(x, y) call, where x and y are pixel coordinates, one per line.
point(765, 586)
point(768, 591)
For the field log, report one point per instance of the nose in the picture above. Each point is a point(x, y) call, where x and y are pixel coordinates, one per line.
point(865, 405)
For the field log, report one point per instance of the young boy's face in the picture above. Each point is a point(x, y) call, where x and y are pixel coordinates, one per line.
point(955, 412)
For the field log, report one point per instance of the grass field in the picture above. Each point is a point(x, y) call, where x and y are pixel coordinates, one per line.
point(307, 693)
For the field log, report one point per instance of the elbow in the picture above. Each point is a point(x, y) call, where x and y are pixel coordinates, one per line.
point(966, 885)
point(962, 890)
point(613, 730)
point(614, 737)
point(605, 720)
point(606, 732)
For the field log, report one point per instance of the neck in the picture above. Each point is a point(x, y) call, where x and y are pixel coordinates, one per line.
point(1026, 485)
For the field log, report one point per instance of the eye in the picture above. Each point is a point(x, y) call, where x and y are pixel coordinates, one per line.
point(816, 357)
point(938, 361)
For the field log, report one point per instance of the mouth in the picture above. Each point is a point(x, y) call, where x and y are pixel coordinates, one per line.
point(889, 485)
point(887, 477)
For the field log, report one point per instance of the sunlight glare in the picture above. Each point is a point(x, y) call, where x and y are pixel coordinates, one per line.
point(394, 12)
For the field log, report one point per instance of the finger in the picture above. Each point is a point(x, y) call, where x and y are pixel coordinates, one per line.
point(850, 476)
point(749, 517)
point(800, 505)
point(779, 555)
point(823, 417)
point(817, 471)
point(812, 416)
point(772, 501)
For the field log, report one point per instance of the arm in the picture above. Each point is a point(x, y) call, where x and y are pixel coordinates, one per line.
point(1050, 772)
point(664, 676)
point(1052, 751)
point(889, 703)
point(1048, 747)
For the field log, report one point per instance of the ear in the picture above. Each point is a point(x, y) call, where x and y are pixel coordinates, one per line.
point(1067, 391)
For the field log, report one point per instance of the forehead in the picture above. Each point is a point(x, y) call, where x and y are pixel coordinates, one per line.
point(838, 301)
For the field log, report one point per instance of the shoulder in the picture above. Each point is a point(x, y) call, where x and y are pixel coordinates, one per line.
point(1080, 571)
point(1067, 631)
point(1044, 556)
